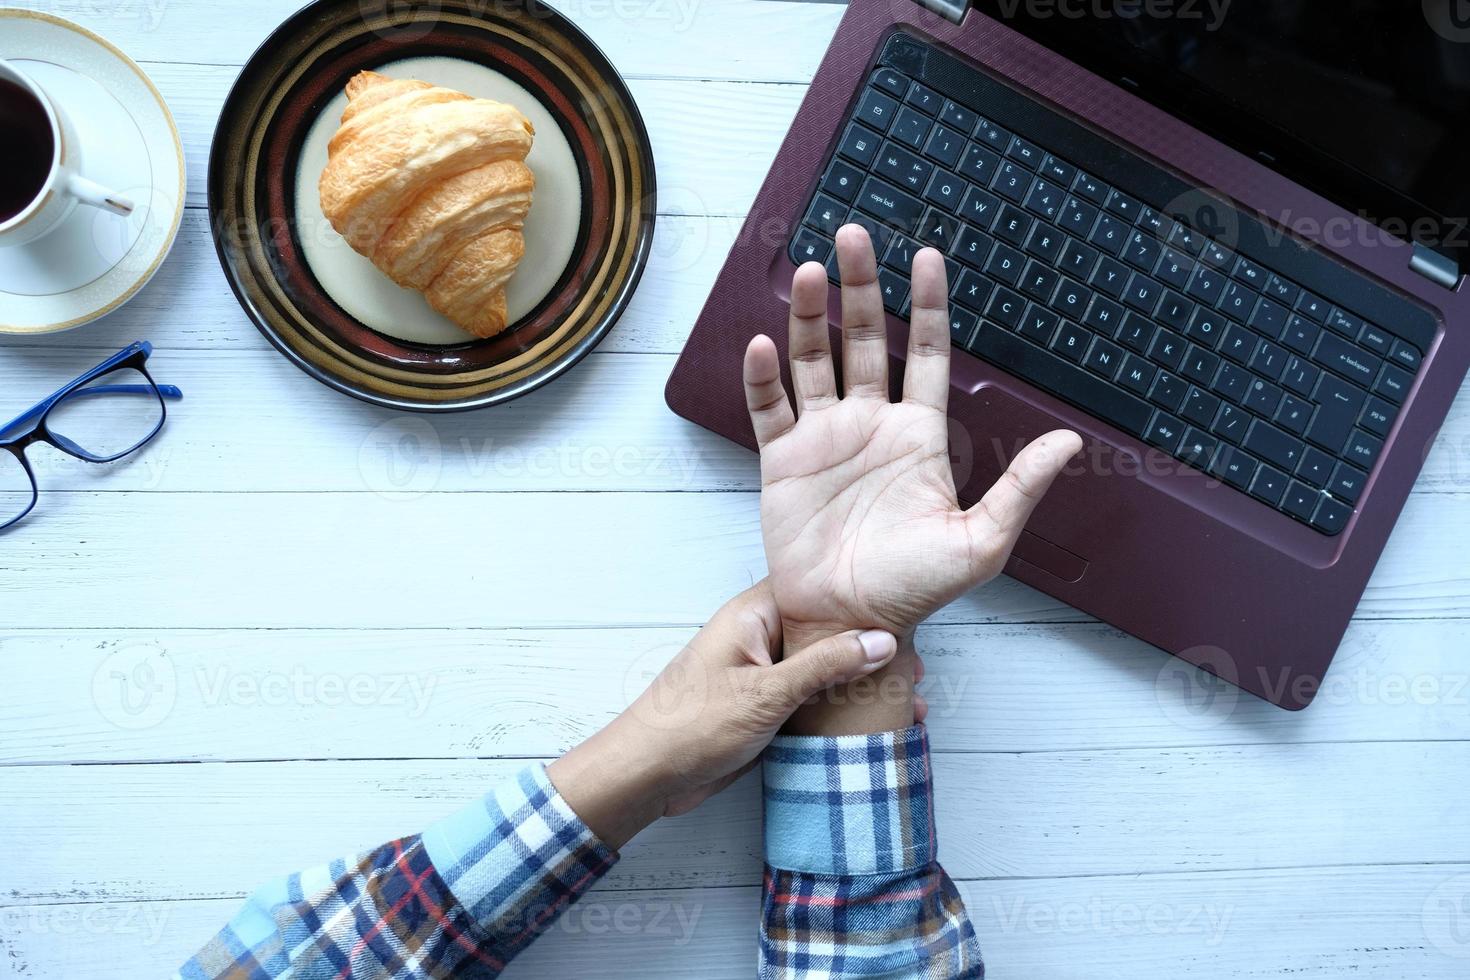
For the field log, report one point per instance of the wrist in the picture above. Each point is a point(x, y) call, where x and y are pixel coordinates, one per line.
point(879, 702)
point(614, 783)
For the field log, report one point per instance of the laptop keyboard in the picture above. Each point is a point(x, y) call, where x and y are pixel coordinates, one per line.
point(1094, 294)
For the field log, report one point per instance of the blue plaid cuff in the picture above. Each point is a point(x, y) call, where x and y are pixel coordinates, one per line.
point(854, 805)
point(517, 858)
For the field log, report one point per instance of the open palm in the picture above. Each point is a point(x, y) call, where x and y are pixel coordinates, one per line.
point(861, 523)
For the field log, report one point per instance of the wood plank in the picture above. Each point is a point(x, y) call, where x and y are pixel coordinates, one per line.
point(143, 832)
point(1385, 923)
point(647, 38)
point(712, 140)
point(184, 560)
point(603, 427)
point(188, 695)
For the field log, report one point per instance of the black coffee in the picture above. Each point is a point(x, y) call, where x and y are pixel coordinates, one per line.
point(26, 148)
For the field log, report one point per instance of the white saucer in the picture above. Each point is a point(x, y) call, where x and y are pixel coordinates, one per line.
point(95, 261)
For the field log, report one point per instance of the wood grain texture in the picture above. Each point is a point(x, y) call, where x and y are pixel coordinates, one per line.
point(297, 626)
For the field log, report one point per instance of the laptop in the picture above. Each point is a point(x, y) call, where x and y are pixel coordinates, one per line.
point(1222, 241)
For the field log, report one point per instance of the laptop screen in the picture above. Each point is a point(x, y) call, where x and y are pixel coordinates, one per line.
point(1366, 103)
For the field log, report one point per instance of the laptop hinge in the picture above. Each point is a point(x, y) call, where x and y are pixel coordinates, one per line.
point(951, 10)
point(1435, 267)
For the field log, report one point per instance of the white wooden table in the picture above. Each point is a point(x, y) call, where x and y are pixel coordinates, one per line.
point(297, 626)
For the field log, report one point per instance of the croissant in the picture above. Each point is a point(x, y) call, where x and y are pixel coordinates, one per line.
point(433, 187)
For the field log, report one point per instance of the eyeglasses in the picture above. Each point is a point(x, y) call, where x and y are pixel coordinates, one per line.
point(103, 415)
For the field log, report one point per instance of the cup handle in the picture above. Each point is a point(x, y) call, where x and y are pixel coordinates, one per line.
point(89, 192)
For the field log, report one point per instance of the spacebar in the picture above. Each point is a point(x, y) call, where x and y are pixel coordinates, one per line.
point(1062, 378)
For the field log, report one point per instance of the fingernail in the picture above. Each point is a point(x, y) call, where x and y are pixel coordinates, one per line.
point(878, 647)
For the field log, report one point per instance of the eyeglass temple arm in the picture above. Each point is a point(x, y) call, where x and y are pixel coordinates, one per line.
point(167, 391)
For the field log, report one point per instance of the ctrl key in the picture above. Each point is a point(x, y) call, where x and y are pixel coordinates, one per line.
point(1332, 516)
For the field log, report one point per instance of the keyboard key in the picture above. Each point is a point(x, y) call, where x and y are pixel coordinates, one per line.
point(1249, 273)
point(1392, 384)
point(1234, 467)
point(1168, 391)
point(1273, 445)
point(1142, 251)
point(1238, 343)
point(1058, 170)
point(1013, 225)
point(1405, 356)
point(1039, 281)
point(889, 204)
point(1300, 501)
point(1012, 181)
point(1217, 255)
point(1282, 290)
point(1165, 431)
point(1137, 375)
point(1006, 308)
point(1347, 359)
point(1232, 382)
point(1025, 152)
point(1175, 268)
point(810, 247)
point(1269, 360)
point(1005, 264)
point(971, 289)
point(945, 190)
point(1071, 299)
point(1206, 327)
point(1232, 423)
point(1363, 449)
point(993, 136)
point(1207, 284)
point(972, 247)
point(1237, 301)
point(1045, 243)
point(1347, 483)
point(1078, 259)
point(956, 115)
point(1200, 365)
point(902, 167)
point(826, 215)
point(1159, 225)
point(1300, 376)
point(1167, 349)
point(1110, 277)
point(1312, 307)
point(895, 83)
point(1186, 238)
point(842, 180)
point(893, 287)
point(1039, 325)
point(1269, 485)
point(1078, 217)
point(1056, 375)
point(1344, 323)
point(1123, 206)
point(877, 110)
point(979, 164)
point(1072, 341)
point(962, 325)
point(1044, 198)
point(1091, 188)
point(1294, 414)
point(1378, 416)
point(945, 145)
point(1105, 358)
point(1109, 234)
point(1200, 407)
point(1174, 310)
point(1339, 405)
point(910, 126)
point(1376, 339)
point(1300, 334)
point(900, 253)
point(1316, 467)
point(1262, 397)
point(1143, 294)
point(1332, 516)
point(1198, 448)
point(859, 144)
point(938, 229)
point(979, 207)
point(1103, 315)
point(1136, 333)
point(924, 99)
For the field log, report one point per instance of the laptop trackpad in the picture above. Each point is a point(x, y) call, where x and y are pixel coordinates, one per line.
point(991, 410)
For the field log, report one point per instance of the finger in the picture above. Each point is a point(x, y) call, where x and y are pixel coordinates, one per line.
point(810, 350)
point(921, 708)
point(864, 325)
point(835, 660)
point(926, 372)
point(1004, 510)
point(765, 396)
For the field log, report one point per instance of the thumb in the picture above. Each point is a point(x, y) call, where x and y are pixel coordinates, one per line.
point(827, 663)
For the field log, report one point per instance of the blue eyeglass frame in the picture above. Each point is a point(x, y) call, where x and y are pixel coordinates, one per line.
point(30, 426)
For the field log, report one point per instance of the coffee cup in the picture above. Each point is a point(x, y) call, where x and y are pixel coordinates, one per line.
point(41, 165)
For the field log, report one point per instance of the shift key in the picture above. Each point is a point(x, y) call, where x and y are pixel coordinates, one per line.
point(890, 205)
point(1272, 444)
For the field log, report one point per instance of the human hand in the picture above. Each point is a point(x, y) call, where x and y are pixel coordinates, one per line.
point(861, 522)
point(704, 720)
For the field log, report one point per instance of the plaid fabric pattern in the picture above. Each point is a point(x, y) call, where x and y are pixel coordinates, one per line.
point(460, 900)
point(852, 885)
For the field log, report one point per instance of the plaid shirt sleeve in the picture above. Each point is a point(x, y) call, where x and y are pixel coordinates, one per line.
point(461, 899)
point(852, 885)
